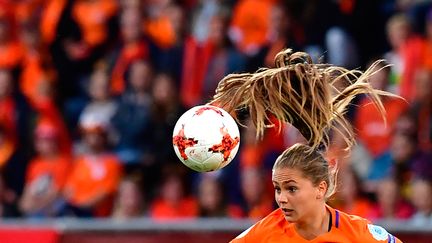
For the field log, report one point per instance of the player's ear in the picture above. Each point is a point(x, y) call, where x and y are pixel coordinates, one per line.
point(321, 190)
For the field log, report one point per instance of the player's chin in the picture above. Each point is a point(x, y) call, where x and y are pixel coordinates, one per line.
point(290, 216)
point(291, 219)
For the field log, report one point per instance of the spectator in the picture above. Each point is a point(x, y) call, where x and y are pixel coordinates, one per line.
point(90, 29)
point(95, 175)
point(173, 201)
point(374, 131)
point(390, 204)
point(398, 33)
point(129, 202)
point(257, 200)
point(101, 101)
point(46, 174)
point(132, 119)
point(352, 197)
point(421, 198)
point(62, 35)
point(212, 199)
point(165, 111)
point(37, 83)
point(169, 57)
point(133, 47)
point(214, 58)
point(396, 162)
point(97, 27)
point(406, 54)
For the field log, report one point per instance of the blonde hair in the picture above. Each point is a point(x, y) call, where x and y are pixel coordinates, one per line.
point(297, 91)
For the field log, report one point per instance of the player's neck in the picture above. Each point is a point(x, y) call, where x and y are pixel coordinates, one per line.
point(314, 225)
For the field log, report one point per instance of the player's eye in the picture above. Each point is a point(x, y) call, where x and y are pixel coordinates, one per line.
point(277, 190)
point(292, 189)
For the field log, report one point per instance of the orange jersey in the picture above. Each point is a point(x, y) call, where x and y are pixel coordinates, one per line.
point(345, 228)
point(186, 208)
point(93, 17)
point(57, 168)
point(372, 130)
point(92, 176)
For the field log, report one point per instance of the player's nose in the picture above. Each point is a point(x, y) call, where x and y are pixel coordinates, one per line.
point(282, 199)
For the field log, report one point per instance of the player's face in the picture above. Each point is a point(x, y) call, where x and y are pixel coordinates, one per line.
point(295, 194)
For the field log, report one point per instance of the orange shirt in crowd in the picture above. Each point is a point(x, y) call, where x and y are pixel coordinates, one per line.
point(57, 168)
point(35, 78)
point(427, 55)
point(411, 53)
point(161, 31)
point(50, 18)
point(251, 26)
point(344, 228)
point(372, 130)
point(92, 18)
point(91, 177)
point(186, 208)
point(11, 54)
point(130, 53)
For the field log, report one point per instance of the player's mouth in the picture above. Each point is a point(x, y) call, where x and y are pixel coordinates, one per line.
point(287, 212)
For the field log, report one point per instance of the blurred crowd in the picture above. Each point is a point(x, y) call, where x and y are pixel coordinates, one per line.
point(90, 91)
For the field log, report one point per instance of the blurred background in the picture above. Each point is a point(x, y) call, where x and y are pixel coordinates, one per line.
point(90, 91)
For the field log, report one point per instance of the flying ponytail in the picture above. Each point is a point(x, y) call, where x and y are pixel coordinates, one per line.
point(312, 97)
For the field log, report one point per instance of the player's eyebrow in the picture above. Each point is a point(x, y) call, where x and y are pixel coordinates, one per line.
point(288, 181)
point(284, 182)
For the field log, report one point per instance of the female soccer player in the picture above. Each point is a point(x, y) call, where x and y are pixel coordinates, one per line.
point(313, 98)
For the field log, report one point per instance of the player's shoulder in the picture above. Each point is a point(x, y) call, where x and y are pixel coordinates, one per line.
point(275, 221)
point(363, 230)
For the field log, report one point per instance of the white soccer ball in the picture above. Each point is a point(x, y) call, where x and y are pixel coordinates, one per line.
point(206, 138)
